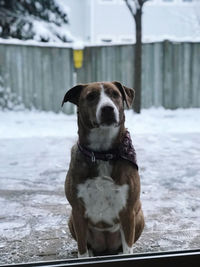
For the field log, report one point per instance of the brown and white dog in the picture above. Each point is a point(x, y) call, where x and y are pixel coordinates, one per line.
point(102, 185)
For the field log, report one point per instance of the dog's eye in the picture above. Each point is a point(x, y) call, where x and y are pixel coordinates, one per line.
point(115, 94)
point(91, 96)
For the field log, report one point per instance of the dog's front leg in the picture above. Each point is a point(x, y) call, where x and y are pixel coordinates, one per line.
point(80, 227)
point(127, 221)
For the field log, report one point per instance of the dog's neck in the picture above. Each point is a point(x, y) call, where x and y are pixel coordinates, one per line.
point(103, 138)
point(100, 138)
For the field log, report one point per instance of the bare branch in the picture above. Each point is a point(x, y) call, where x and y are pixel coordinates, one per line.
point(130, 8)
point(138, 4)
point(143, 2)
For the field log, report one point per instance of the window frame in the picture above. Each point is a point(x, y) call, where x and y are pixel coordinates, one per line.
point(105, 38)
point(107, 2)
point(165, 259)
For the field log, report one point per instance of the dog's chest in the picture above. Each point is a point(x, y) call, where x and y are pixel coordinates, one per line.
point(102, 197)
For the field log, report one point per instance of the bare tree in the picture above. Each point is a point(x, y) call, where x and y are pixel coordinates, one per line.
point(135, 8)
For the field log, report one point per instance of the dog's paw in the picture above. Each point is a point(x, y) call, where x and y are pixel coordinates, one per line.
point(127, 250)
point(125, 247)
point(84, 255)
point(91, 254)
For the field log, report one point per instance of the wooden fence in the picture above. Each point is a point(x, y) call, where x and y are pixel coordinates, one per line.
point(40, 75)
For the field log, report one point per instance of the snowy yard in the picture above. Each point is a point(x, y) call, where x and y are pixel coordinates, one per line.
point(34, 157)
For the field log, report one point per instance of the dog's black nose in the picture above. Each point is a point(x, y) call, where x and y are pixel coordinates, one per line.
point(106, 110)
point(108, 115)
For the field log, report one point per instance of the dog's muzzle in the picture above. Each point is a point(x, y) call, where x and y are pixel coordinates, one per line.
point(107, 115)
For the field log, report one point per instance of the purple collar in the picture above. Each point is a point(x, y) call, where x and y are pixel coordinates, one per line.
point(125, 151)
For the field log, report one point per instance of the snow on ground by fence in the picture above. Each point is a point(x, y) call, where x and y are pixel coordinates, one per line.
point(29, 124)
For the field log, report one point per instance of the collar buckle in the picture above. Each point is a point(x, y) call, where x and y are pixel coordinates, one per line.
point(93, 159)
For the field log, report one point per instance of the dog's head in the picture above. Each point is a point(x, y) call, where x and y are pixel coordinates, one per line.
point(100, 104)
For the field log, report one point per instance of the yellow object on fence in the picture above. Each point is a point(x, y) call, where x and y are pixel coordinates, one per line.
point(78, 58)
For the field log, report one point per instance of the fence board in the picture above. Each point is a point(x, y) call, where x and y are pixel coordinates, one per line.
point(7, 63)
point(167, 78)
point(148, 69)
point(47, 88)
point(66, 71)
point(186, 76)
point(25, 77)
point(177, 76)
point(126, 66)
point(158, 75)
point(41, 75)
point(195, 76)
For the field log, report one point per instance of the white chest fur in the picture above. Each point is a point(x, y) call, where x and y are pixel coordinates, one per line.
point(103, 198)
point(101, 138)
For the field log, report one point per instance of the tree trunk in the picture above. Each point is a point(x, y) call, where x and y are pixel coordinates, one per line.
point(138, 61)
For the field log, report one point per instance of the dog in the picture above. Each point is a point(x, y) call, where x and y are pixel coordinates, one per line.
point(102, 184)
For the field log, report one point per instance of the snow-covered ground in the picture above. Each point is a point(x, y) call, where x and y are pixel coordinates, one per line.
point(34, 157)
point(27, 124)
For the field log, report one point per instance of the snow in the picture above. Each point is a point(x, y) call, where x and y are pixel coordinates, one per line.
point(146, 39)
point(35, 154)
point(63, 6)
point(36, 124)
point(78, 45)
point(162, 121)
point(184, 15)
point(49, 31)
point(15, 41)
point(55, 29)
point(27, 124)
point(178, 22)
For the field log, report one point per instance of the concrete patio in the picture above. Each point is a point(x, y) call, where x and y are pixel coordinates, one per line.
point(34, 211)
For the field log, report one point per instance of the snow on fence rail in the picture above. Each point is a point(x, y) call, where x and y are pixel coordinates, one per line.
point(40, 75)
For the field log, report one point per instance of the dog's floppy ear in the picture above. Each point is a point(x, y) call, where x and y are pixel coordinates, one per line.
point(128, 94)
point(73, 94)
